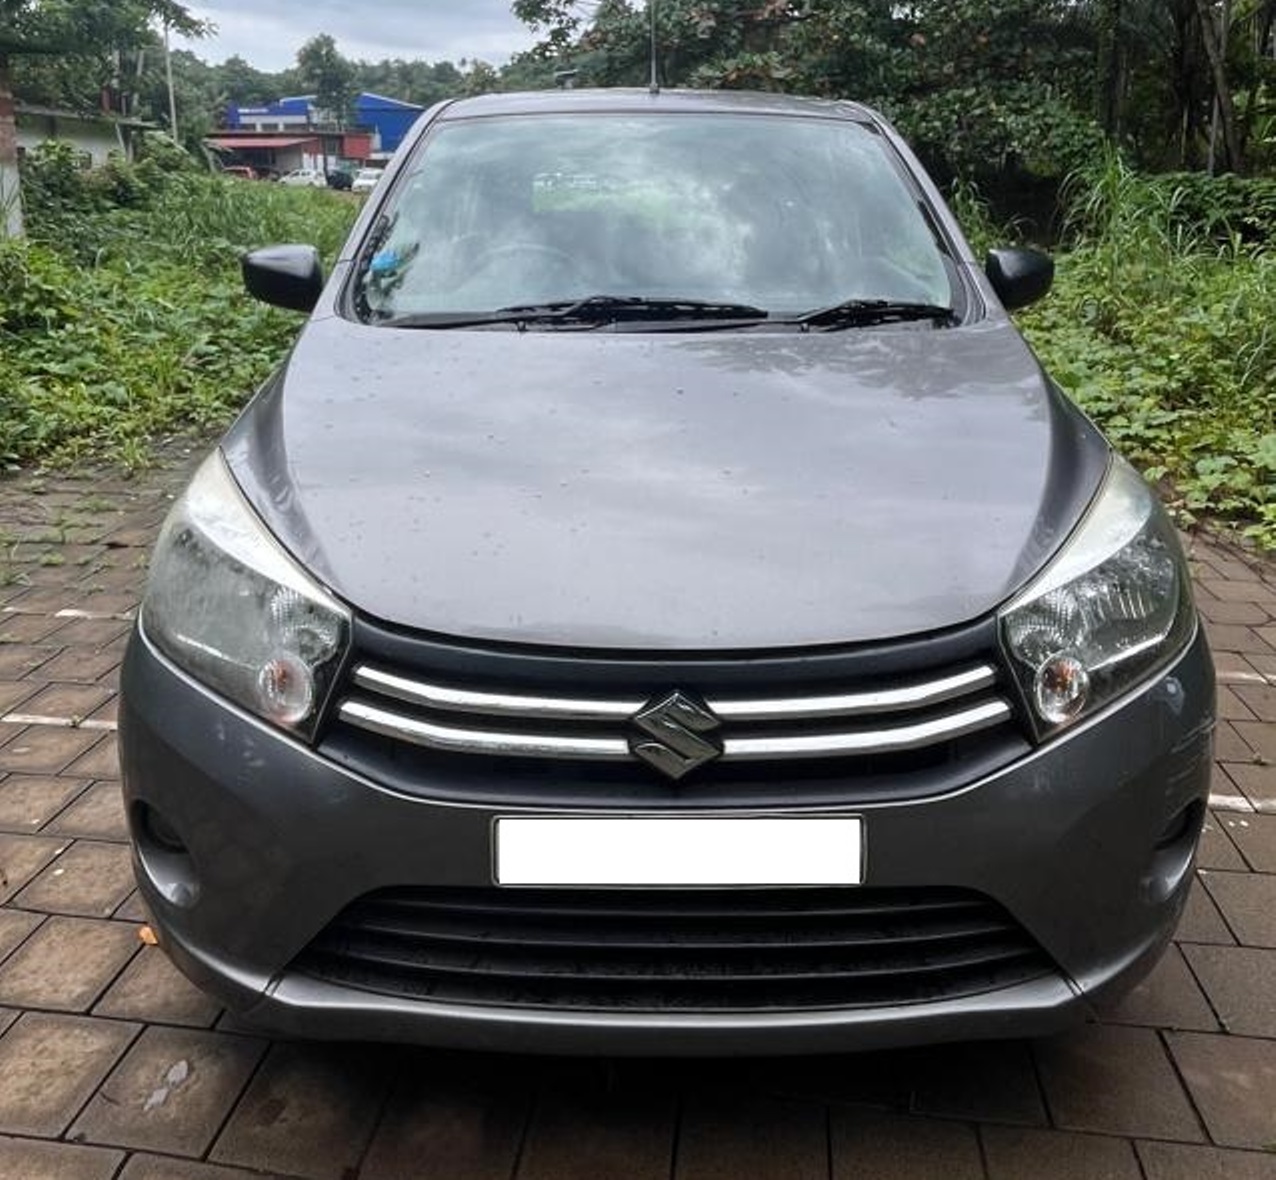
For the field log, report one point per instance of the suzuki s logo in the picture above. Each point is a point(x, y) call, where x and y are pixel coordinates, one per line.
point(680, 735)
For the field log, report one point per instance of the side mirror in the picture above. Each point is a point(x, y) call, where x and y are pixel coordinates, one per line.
point(1019, 277)
point(284, 276)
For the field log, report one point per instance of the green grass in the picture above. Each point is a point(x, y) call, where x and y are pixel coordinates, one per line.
point(119, 324)
point(1162, 327)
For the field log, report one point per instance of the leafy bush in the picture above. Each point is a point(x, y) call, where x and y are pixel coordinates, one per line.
point(1167, 336)
point(123, 315)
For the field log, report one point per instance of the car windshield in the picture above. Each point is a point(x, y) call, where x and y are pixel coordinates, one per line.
point(783, 214)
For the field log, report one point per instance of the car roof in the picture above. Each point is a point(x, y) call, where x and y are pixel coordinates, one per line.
point(544, 102)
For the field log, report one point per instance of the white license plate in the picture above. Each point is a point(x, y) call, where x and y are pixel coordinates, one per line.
point(669, 851)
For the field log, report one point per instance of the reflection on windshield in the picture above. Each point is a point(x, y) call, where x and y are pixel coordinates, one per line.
point(786, 214)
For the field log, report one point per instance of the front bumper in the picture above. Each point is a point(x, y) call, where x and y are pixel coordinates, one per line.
point(1077, 841)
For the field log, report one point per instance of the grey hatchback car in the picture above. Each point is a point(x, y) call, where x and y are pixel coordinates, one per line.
point(661, 606)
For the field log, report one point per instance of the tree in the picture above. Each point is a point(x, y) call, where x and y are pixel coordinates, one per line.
point(92, 37)
point(329, 75)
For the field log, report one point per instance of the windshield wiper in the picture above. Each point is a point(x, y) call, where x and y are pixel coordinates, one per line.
point(855, 312)
point(609, 308)
point(593, 309)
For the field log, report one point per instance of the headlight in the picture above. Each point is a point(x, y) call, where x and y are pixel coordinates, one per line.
point(230, 607)
point(1111, 608)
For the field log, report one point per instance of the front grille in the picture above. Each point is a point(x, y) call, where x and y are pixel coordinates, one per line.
point(702, 951)
point(902, 720)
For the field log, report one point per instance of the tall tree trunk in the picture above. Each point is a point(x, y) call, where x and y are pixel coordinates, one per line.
point(1111, 67)
point(1226, 107)
point(10, 185)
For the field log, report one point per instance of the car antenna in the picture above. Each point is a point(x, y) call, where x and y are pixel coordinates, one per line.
point(655, 49)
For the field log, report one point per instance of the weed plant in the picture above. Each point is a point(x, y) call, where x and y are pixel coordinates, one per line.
point(1162, 326)
point(123, 317)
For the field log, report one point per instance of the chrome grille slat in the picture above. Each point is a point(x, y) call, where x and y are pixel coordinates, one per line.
point(476, 741)
point(807, 745)
point(913, 696)
point(912, 716)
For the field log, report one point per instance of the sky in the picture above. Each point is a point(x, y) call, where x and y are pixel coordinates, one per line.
point(268, 33)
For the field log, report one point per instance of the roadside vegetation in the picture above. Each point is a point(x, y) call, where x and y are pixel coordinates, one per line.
point(122, 315)
point(1162, 326)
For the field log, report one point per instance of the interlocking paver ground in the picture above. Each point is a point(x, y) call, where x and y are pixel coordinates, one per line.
point(112, 1066)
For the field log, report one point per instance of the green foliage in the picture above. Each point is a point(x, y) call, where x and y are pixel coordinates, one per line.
point(123, 319)
point(1167, 337)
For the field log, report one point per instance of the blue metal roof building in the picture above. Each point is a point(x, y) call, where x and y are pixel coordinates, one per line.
point(389, 119)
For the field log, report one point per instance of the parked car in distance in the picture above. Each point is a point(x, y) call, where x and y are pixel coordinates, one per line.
point(339, 179)
point(304, 178)
point(366, 179)
point(662, 606)
point(240, 172)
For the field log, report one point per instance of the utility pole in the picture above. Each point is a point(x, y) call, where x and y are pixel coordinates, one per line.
point(655, 49)
point(172, 96)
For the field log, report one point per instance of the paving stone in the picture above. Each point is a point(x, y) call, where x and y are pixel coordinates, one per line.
point(16, 628)
point(1174, 1161)
point(21, 857)
point(66, 964)
point(133, 910)
point(1115, 1081)
point(578, 1134)
point(171, 1092)
point(102, 762)
point(1241, 984)
point(152, 989)
point(1257, 783)
point(451, 1117)
point(898, 1147)
point(1261, 699)
point(83, 665)
point(158, 1167)
point(14, 692)
point(1258, 736)
point(1226, 637)
point(91, 632)
point(309, 1111)
point(46, 749)
point(1248, 903)
point(1169, 997)
point(29, 1159)
point(21, 659)
point(50, 1066)
point(781, 1139)
point(66, 700)
point(1232, 1081)
point(97, 815)
point(992, 1081)
point(90, 879)
point(7, 1017)
point(1253, 835)
point(28, 802)
point(1231, 707)
point(1014, 1154)
point(1238, 590)
point(1219, 610)
point(15, 926)
point(1201, 921)
point(1216, 850)
point(44, 600)
point(1230, 746)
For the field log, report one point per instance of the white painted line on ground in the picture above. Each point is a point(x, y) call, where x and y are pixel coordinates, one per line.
point(1230, 803)
point(127, 617)
point(58, 722)
point(1242, 678)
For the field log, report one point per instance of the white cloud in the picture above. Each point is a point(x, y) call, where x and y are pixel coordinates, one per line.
point(269, 35)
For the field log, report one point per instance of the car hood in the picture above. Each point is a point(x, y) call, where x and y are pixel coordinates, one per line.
point(707, 491)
